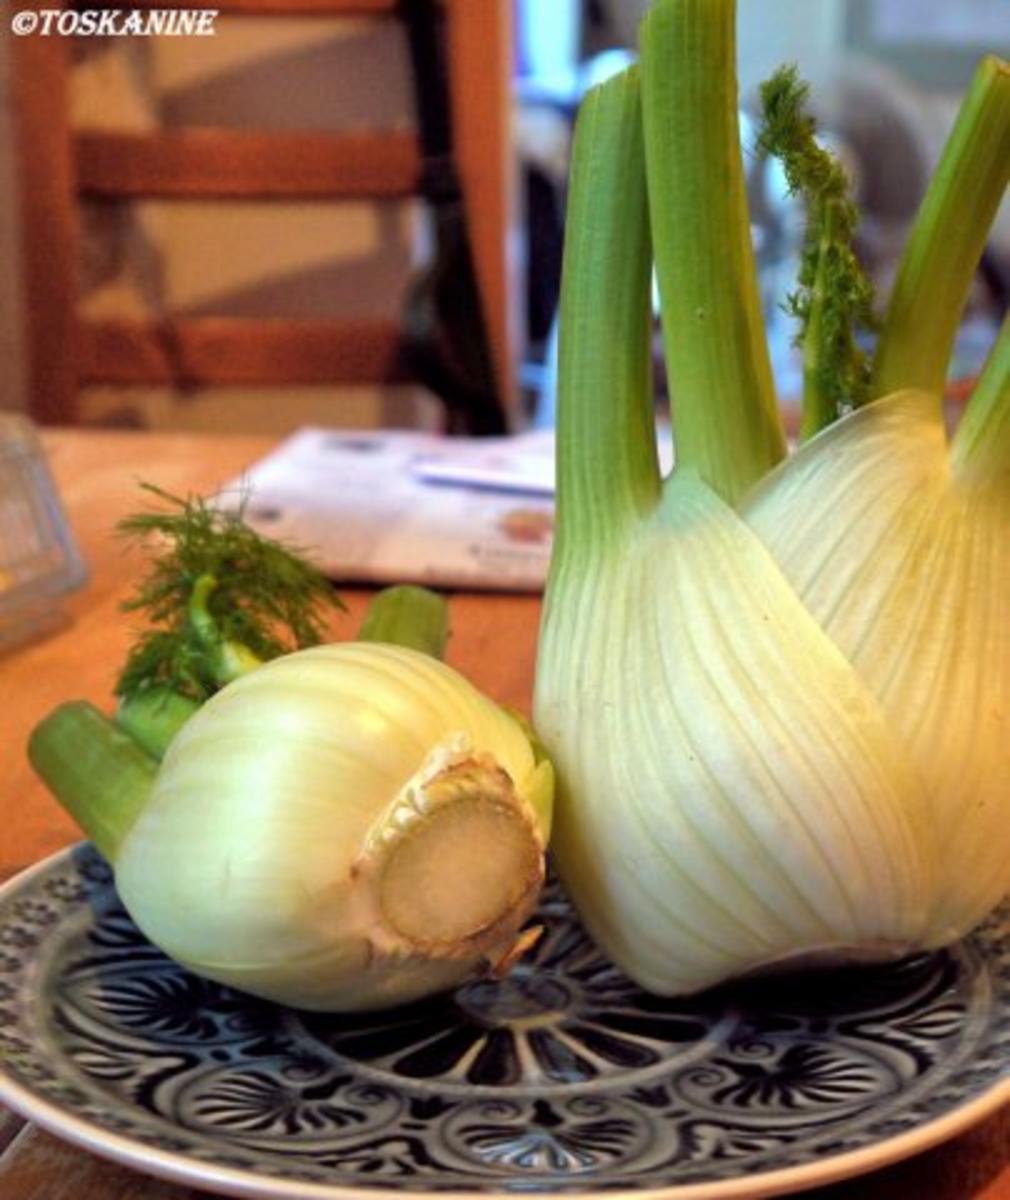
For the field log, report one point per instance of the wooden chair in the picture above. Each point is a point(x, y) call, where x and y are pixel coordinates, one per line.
point(445, 340)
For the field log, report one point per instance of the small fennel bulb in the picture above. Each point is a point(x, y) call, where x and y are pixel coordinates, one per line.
point(349, 826)
point(341, 827)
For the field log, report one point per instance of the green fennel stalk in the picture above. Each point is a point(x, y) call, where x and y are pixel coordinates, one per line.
point(724, 410)
point(607, 464)
point(406, 615)
point(97, 770)
point(946, 242)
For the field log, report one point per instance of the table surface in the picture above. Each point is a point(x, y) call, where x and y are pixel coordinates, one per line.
point(97, 473)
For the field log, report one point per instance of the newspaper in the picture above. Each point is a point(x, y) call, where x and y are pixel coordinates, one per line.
point(385, 507)
point(398, 507)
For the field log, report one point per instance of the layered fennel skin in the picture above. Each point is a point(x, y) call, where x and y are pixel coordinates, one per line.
point(910, 575)
point(778, 708)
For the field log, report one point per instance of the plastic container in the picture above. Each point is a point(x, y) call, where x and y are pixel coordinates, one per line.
point(39, 560)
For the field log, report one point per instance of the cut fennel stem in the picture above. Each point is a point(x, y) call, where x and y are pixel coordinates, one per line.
point(738, 784)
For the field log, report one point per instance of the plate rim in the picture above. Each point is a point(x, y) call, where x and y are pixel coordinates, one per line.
point(249, 1185)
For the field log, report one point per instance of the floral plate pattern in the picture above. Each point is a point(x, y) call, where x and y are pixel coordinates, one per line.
point(563, 1079)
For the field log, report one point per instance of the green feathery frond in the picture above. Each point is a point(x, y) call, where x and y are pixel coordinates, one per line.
point(834, 299)
point(254, 592)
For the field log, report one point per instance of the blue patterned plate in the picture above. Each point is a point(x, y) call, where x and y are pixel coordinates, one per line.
point(565, 1079)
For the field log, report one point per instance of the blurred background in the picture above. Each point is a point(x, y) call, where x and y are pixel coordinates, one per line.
point(351, 213)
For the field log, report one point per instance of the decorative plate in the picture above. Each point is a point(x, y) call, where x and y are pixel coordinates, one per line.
point(563, 1079)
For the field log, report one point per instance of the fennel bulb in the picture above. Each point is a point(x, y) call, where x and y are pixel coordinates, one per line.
point(776, 693)
point(343, 827)
point(349, 826)
point(346, 827)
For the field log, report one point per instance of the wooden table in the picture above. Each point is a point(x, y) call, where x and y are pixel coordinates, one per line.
point(96, 473)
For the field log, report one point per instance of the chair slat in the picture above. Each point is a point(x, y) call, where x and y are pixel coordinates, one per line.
point(225, 351)
point(220, 163)
point(49, 223)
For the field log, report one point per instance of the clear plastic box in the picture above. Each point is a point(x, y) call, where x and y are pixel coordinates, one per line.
point(39, 559)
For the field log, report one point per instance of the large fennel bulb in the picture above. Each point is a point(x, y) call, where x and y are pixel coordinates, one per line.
point(775, 693)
